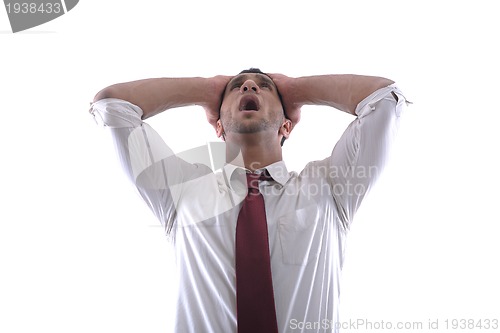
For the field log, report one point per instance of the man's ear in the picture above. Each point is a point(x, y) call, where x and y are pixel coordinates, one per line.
point(219, 130)
point(286, 128)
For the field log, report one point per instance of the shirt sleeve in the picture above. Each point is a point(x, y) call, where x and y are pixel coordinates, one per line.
point(361, 154)
point(156, 172)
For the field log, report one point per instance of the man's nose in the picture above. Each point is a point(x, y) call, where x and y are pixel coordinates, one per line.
point(249, 86)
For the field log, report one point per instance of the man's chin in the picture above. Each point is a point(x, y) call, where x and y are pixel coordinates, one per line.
point(247, 127)
point(250, 126)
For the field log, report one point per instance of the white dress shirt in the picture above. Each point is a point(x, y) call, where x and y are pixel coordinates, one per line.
point(308, 214)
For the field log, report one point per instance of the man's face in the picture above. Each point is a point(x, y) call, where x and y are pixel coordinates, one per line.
point(251, 104)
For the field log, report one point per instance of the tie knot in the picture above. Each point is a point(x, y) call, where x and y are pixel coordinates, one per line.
point(254, 178)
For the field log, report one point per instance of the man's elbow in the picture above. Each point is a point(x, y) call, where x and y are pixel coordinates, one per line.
point(107, 92)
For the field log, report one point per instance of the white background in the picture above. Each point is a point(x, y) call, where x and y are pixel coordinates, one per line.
point(80, 252)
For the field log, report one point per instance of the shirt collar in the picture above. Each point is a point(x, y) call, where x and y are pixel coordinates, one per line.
point(277, 170)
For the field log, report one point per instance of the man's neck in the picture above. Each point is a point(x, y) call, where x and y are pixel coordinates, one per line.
point(253, 153)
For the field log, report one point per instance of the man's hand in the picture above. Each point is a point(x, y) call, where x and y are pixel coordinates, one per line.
point(217, 85)
point(290, 95)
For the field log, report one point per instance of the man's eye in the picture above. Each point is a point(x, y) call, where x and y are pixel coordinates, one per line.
point(237, 85)
point(265, 85)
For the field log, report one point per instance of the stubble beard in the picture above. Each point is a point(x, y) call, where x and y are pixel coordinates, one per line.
point(248, 126)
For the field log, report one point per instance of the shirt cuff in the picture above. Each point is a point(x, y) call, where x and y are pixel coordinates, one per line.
point(116, 113)
point(366, 105)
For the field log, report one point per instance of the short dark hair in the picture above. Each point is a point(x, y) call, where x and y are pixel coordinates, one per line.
point(252, 70)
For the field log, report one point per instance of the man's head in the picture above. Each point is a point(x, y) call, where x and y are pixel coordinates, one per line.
point(251, 103)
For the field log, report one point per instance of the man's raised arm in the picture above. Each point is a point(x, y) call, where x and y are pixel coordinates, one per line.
point(159, 94)
point(341, 91)
point(148, 162)
point(362, 151)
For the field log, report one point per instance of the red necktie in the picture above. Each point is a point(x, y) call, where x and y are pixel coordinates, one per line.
point(254, 286)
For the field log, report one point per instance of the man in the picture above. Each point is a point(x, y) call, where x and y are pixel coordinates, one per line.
point(228, 282)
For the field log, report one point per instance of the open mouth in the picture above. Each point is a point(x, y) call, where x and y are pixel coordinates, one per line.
point(249, 103)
